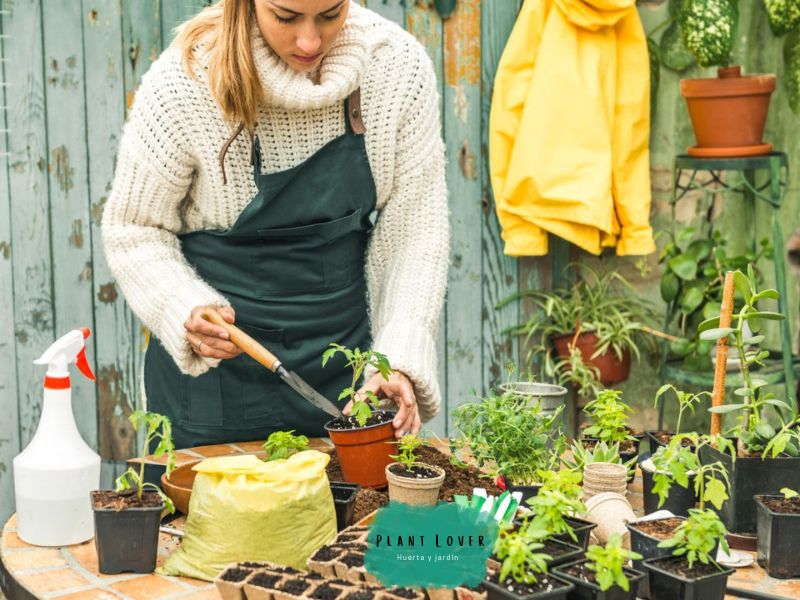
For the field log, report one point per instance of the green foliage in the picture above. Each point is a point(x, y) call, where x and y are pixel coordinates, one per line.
point(791, 71)
point(694, 267)
point(674, 54)
point(605, 304)
point(697, 537)
point(283, 444)
point(519, 556)
point(509, 437)
point(359, 360)
point(407, 445)
point(783, 15)
point(602, 452)
point(608, 563)
point(755, 433)
point(686, 401)
point(155, 427)
point(789, 494)
point(675, 462)
point(709, 30)
point(560, 496)
point(609, 418)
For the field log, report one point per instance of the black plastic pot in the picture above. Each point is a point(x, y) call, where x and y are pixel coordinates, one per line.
point(665, 585)
point(527, 491)
point(495, 591)
point(647, 546)
point(751, 477)
point(679, 501)
point(581, 528)
point(344, 501)
point(777, 536)
point(574, 553)
point(126, 540)
point(590, 591)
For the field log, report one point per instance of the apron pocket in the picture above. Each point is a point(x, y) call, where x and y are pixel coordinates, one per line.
point(258, 388)
point(201, 399)
point(295, 259)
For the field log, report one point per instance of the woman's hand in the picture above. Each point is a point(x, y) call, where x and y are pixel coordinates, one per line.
point(207, 339)
point(400, 390)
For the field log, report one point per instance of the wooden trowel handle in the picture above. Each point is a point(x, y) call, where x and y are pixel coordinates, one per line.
point(243, 341)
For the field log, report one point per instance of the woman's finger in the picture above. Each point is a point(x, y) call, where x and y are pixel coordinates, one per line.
point(202, 346)
point(198, 325)
point(348, 407)
point(407, 425)
point(224, 346)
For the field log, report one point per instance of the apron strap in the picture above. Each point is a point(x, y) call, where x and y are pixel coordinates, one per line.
point(224, 150)
point(354, 117)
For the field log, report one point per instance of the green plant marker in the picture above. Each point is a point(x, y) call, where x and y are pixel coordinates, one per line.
point(439, 546)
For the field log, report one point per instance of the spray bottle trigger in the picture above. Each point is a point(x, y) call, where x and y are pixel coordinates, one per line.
point(83, 365)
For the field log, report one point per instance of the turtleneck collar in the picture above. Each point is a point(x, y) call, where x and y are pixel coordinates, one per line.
point(339, 74)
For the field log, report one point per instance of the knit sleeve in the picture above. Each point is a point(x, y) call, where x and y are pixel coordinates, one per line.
point(408, 260)
point(142, 217)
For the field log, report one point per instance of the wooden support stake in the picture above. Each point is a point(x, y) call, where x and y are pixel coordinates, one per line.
point(718, 395)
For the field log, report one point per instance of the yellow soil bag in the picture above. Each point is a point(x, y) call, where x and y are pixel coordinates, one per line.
point(245, 509)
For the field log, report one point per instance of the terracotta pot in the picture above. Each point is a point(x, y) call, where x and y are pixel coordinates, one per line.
point(178, 486)
point(364, 453)
point(728, 112)
point(420, 492)
point(612, 370)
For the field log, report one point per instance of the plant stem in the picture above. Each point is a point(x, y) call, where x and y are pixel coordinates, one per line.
point(680, 415)
point(141, 464)
point(660, 26)
point(745, 424)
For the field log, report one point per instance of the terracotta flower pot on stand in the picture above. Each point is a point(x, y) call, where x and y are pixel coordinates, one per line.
point(612, 369)
point(728, 113)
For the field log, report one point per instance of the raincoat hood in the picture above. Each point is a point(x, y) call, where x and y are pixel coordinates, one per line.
point(594, 14)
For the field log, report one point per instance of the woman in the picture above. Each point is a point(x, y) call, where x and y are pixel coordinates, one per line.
point(283, 164)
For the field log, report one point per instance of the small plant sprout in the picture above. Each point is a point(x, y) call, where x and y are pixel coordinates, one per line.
point(156, 427)
point(359, 360)
point(283, 444)
point(519, 556)
point(602, 452)
point(686, 401)
point(407, 445)
point(608, 563)
point(609, 417)
point(697, 537)
point(675, 463)
point(559, 497)
point(789, 494)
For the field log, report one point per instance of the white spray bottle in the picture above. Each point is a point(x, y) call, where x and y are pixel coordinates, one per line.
point(55, 473)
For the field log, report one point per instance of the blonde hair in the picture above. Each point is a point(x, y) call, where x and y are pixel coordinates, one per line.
point(224, 29)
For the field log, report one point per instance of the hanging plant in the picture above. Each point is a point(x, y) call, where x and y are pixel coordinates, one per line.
point(783, 15)
point(791, 70)
point(674, 54)
point(709, 30)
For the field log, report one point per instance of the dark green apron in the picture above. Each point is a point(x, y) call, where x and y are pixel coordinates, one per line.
point(292, 266)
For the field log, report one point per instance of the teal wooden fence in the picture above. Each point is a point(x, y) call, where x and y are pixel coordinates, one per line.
point(71, 68)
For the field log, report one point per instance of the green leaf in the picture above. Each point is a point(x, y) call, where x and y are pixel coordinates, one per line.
point(684, 266)
point(726, 408)
point(670, 286)
point(742, 286)
point(769, 293)
point(691, 298)
point(768, 315)
point(700, 249)
point(791, 69)
point(752, 341)
point(715, 492)
point(765, 431)
point(744, 392)
point(716, 334)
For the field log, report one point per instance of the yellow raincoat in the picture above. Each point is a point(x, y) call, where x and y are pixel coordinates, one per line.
point(569, 128)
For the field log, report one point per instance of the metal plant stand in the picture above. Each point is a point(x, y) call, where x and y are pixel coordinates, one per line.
point(783, 367)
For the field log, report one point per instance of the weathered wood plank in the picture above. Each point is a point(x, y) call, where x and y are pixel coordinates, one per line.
point(30, 215)
point(175, 12)
point(9, 410)
point(425, 24)
point(114, 341)
point(393, 10)
point(67, 170)
point(500, 272)
point(462, 108)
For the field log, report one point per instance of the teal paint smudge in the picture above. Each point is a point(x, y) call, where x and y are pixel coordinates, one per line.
point(429, 546)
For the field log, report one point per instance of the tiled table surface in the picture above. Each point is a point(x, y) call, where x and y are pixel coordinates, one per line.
point(70, 572)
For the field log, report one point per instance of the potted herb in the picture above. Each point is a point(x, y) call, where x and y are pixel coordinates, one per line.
point(126, 520)
point(778, 529)
point(767, 457)
point(686, 402)
point(363, 439)
point(692, 571)
point(523, 570)
point(556, 507)
point(283, 444)
point(411, 481)
point(595, 326)
point(602, 575)
point(677, 468)
point(694, 263)
point(580, 456)
point(609, 424)
point(514, 440)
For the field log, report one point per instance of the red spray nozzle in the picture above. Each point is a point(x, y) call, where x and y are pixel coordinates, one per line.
point(86, 332)
point(83, 364)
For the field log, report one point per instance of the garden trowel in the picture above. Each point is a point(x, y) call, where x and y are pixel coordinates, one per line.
point(260, 354)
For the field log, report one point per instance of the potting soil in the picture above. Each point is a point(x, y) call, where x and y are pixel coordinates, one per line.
point(353, 559)
point(295, 587)
point(543, 584)
point(415, 472)
point(243, 508)
point(360, 595)
point(581, 571)
point(457, 481)
point(265, 580)
point(367, 501)
point(126, 499)
point(326, 553)
point(236, 574)
point(377, 418)
point(680, 565)
point(659, 528)
point(781, 505)
point(325, 592)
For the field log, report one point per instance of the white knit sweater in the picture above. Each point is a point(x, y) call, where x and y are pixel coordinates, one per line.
point(168, 182)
